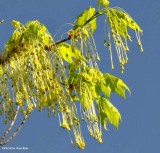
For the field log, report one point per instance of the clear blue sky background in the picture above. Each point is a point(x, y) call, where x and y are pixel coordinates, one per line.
point(139, 131)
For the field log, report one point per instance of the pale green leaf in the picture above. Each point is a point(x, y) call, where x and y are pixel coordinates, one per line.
point(83, 18)
point(103, 119)
point(108, 113)
point(68, 53)
point(116, 85)
point(86, 100)
point(105, 89)
point(12, 44)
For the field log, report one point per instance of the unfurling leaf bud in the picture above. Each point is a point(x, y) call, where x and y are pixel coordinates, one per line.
point(103, 3)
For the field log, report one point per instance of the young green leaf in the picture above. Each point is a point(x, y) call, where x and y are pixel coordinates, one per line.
point(84, 17)
point(85, 98)
point(116, 85)
point(67, 52)
point(108, 113)
point(105, 89)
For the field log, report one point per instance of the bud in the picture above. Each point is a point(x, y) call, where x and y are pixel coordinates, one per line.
point(103, 3)
point(16, 24)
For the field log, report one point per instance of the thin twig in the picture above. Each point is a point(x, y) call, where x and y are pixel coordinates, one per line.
point(10, 127)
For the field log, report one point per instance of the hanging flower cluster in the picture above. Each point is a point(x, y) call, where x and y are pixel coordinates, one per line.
point(31, 72)
point(118, 23)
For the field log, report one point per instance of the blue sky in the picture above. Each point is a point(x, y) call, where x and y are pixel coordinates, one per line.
point(139, 131)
